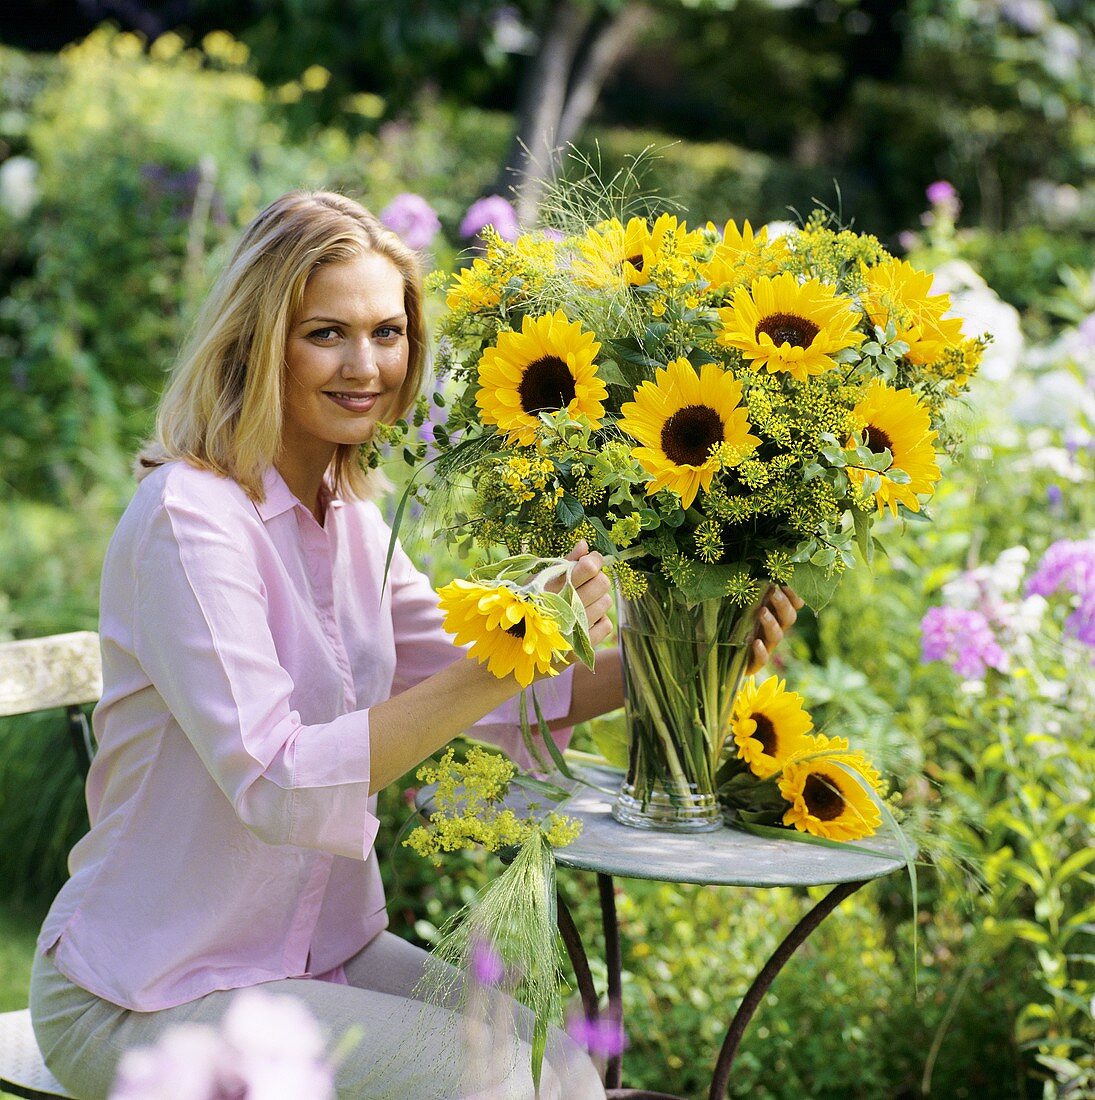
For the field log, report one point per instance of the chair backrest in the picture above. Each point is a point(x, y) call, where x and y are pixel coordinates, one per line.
point(62, 670)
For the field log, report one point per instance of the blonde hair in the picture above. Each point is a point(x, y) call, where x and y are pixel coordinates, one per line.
point(222, 409)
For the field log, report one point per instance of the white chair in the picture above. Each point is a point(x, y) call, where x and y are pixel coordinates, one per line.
point(64, 670)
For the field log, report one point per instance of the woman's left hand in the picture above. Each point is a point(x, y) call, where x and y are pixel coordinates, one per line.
point(776, 616)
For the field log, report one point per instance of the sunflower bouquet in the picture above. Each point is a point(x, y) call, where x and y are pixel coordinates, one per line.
point(716, 411)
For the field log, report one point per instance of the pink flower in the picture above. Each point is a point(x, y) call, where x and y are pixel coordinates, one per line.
point(190, 1062)
point(267, 1048)
point(487, 966)
point(963, 639)
point(942, 193)
point(412, 217)
point(492, 210)
point(602, 1036)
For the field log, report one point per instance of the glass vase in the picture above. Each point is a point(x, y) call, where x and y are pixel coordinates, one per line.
point(683, 666)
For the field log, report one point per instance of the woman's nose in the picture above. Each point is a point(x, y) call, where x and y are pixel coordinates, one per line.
point(360, 360)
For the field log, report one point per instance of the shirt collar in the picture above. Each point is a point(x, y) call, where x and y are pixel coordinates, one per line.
point(279, 498)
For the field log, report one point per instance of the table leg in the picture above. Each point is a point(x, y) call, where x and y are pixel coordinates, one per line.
point(572, 941)
point(753, 996)
point(614, 1071)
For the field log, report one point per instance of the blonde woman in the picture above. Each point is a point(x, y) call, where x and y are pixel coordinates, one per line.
point(261, 684)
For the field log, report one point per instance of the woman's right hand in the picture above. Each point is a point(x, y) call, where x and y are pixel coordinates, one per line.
point(594, 590)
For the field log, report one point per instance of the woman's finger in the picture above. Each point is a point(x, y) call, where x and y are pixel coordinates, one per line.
point(758, 658)
point(771, 633)
point(780, 605)
point(589, 566)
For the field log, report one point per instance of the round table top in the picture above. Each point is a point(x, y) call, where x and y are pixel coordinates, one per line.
point(722, 857)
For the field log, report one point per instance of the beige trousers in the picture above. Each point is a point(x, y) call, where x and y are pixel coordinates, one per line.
point(407, 1050)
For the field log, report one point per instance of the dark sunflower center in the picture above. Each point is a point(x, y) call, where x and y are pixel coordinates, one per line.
point(765, 733)
point(635, 261)
point(823, 797)
point(877, 440)
point(690, 433)
point(517, 630)
point(788, 328)
point(546, 384)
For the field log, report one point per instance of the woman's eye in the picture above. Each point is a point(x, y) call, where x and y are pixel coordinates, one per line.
point(388, 332)
point(324, 335)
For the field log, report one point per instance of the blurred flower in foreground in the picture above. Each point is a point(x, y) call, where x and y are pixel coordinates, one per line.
point(942, 193)
point(492, 210)
point(963, 639)
point(267, 1048)
point(602, 1036)
point(412, 217)
point(487, 966)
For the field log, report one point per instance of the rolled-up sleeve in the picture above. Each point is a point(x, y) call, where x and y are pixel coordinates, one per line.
point(423, 647)
point(204, 640)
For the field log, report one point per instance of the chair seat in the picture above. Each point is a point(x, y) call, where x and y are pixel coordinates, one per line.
point(22, 1071)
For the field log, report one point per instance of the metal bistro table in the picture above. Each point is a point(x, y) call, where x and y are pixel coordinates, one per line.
point(725, 857)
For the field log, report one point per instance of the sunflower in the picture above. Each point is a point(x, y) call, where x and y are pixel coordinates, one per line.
point(826, 800)
point(769, 725)
point(690, 426)
point(508, 631)
point(896, 291)
point(836, 748)
point(615, 256)
point(742, 256)
point(894, 420)
point(789, 326)
point(548, 365)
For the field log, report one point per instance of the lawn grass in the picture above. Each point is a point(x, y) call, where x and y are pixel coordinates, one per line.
point(18, 931)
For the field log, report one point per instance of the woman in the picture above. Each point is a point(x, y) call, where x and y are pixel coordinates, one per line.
point(262, 682)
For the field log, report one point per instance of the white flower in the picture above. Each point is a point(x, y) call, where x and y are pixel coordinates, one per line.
point(983, 311)
point(18, 186)
point(1056, 399)
point(189, 1062)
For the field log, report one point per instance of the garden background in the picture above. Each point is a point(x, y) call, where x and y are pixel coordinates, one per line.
point(136, 139)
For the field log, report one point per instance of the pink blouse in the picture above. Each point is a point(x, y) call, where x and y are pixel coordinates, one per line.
point(232, 825)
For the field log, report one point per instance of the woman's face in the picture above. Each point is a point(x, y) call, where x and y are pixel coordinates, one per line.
point(345, 356)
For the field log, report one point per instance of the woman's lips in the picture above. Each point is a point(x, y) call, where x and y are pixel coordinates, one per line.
point(354, 402)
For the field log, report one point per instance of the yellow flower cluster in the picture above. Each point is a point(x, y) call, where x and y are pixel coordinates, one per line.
point(468, 810)
point(525, 264)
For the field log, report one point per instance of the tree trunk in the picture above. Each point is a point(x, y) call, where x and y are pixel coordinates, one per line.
point(561, 88)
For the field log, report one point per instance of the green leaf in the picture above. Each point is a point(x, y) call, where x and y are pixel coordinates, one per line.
point(549, 741)
point(816, 586)
point(862, 522)
point(569, 511)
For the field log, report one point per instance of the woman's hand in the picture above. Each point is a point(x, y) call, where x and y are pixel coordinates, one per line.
point(776, 616)
point(593, 590)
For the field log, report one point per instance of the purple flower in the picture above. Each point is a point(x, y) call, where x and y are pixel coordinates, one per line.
point(963, 639)
point(908, 240)
point(1054, 496)
point(942, 193)
point(492, 210)
point(1069, 566)
point(487, 966)
point(602, 1036)
point(412, 218)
